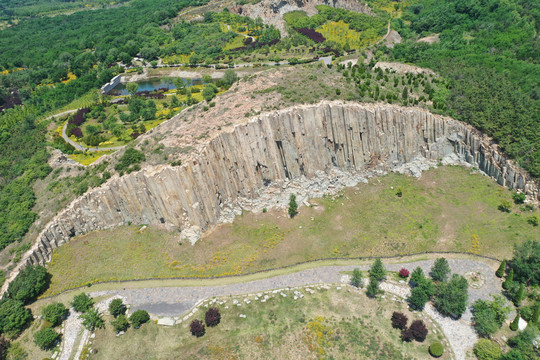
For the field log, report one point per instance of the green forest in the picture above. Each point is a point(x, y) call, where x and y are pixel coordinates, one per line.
point(489, 50)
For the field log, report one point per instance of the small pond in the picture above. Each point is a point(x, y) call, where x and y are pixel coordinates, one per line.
point(154, 84)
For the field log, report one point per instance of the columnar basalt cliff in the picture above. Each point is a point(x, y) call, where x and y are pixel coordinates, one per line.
point(329, 144)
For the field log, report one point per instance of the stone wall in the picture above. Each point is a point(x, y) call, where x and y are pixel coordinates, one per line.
point(310, 148)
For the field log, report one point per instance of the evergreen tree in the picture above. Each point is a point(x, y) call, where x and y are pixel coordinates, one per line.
point(536, 313)
point(405, 93)
point(520, 295)
point(440, 270)
point(373, 287)
point(356, 279)
point(509, 279)
point(515, 323)
point(500, 271)
point(377, 270)
point(417, 276)
point(293, 206)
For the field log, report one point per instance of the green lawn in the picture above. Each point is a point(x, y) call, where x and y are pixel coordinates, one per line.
point(344, 325)
point(448, 209)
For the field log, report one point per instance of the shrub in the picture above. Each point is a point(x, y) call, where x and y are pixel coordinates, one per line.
point(77, 132)
point(46, 338)
point(502, 268)
point(486, 349)
point(31, 282)
point(515, 323)
point(533, 220)
point(197, 328)
point(120, 323)
point(419, 330)
point(440, 270)
point(16, 352)
point(117, 307)
point(138, 318)
point(54, 313)
point(377, 270)
point(505, 206)
point(4, 346)
point(129, 161)
point(399, 320)
point(519, 198)
point(312, 34)
point(404, 273)
point(92, 319)
point(293, 206)
point(356, 279)
point(212, 317)
point(406, 335)
point(436, 349)
point(13, 316)
point(82, 303)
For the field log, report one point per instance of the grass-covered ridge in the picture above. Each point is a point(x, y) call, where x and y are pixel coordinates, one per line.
point(447, 209)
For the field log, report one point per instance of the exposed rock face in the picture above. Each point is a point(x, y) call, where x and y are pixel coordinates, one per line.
point(272, 11)
point(308, 150)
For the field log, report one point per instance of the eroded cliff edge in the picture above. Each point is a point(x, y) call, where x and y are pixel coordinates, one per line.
point(308, 149)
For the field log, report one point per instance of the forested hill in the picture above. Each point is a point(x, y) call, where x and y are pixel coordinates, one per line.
point(490, 52)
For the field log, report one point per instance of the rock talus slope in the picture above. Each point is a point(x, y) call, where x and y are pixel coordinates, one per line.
point(318, 146)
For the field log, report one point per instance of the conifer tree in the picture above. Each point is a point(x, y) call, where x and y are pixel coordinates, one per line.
point(509, 279)
point(520, 295)
point(500, 271)
point(377, 270)
point(515, 323)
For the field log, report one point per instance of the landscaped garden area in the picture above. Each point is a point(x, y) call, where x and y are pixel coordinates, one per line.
point(324, 324)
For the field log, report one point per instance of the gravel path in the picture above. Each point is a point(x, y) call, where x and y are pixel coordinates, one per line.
point(72, 328)
point(177, 301)
point(173, 301)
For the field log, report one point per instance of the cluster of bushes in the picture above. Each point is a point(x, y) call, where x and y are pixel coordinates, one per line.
point(212, 318)
point(450, 293)
point(53, 314)
point(130, 161)
point(417, 331)
point(120, 322)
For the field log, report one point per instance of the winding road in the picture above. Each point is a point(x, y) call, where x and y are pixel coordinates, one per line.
point(176, 302)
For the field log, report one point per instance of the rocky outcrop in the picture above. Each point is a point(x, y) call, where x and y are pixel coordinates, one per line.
point(272, 11)
point(308, 149)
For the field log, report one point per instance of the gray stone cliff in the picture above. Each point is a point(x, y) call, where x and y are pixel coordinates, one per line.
point(315, 147)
